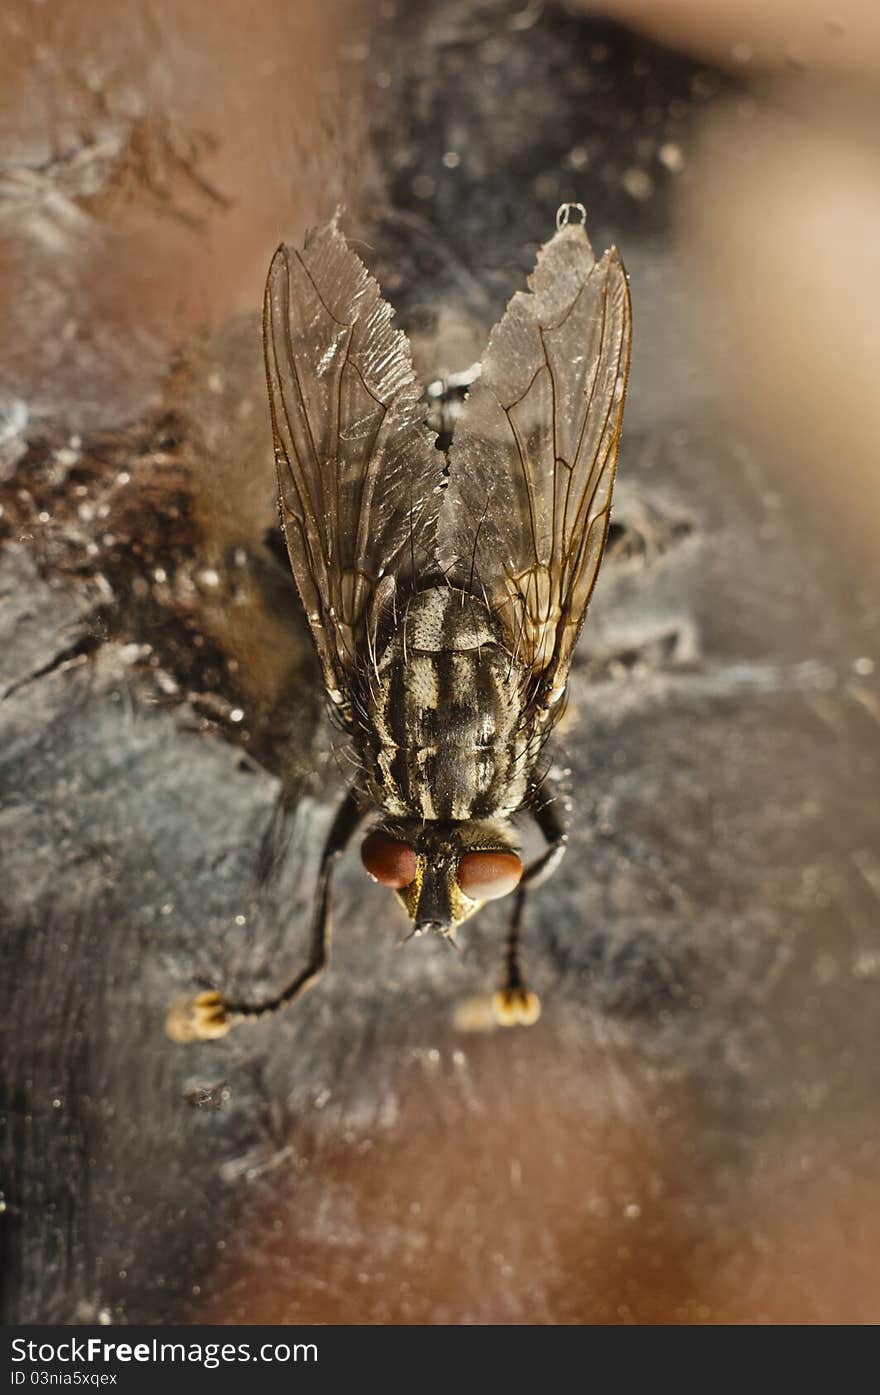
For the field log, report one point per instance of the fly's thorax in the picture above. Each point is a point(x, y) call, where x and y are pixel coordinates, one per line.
point(443, 872)
point(447, 733)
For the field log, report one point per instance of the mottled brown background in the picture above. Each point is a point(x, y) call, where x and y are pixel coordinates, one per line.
point(690, 1133)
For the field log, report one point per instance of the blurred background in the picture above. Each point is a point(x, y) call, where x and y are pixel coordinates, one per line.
point(690, 1133)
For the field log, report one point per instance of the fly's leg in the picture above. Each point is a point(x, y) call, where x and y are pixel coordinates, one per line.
point(515, 1004)
point(208, 1015)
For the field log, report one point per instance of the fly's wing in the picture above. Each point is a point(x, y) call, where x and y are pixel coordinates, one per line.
point(358, 474)
point(533, 456)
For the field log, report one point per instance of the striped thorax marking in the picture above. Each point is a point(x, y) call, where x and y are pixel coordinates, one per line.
point(445, 737)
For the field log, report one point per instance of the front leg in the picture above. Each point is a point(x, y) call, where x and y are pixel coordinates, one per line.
point(208, 1015)
point(515, 1004)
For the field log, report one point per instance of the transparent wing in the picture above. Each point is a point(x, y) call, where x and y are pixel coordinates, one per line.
point(358, 473)
point(534, 453)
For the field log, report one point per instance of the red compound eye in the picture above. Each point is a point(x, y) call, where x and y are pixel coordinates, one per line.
point(388, 861)
point(484, 876)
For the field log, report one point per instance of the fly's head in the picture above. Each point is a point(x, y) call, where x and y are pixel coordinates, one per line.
point(443, 872)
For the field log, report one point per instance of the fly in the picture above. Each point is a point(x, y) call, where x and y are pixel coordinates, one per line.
point(445, 578)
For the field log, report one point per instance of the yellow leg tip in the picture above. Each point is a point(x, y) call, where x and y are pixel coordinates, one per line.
point(202, 1018)
point(516, 1007)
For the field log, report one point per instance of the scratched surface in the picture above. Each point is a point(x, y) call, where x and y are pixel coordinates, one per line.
point(690, 1132)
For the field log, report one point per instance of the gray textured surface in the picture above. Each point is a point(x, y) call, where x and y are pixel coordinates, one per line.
point(708, 958)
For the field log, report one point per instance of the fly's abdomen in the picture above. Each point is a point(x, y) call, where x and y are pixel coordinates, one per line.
point(445, 738)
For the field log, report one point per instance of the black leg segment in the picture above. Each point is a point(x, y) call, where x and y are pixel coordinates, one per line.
point(208, 1015)
point(515, 1004)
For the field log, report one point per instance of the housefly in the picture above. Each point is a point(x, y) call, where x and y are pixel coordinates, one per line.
point(445, 588)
